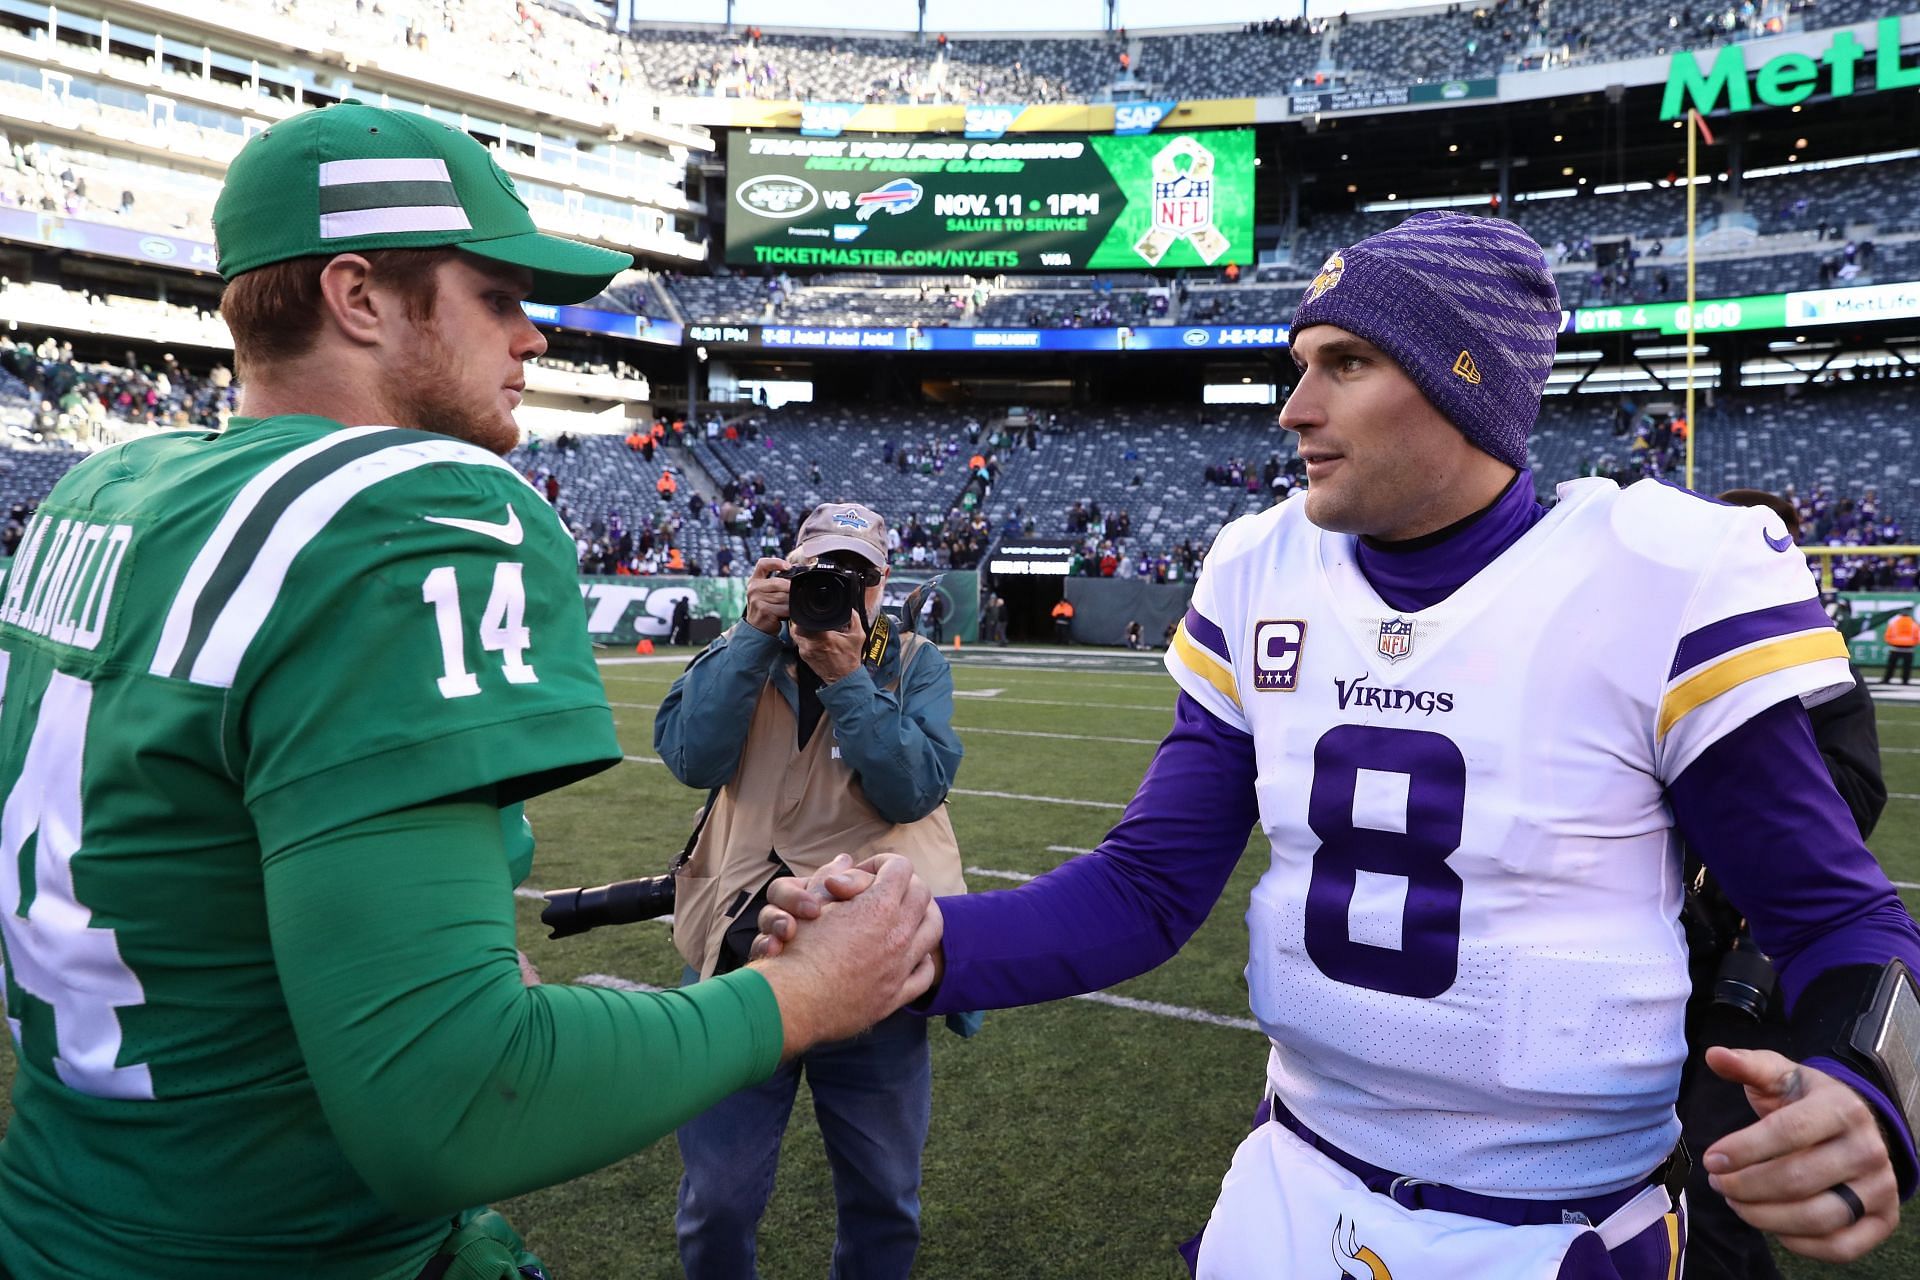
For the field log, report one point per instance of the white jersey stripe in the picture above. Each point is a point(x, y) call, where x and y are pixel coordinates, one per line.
point(179, 624)
point(340, 173)
point(303, 520)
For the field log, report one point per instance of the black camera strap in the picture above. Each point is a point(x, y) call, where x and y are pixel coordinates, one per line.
point(699, 825)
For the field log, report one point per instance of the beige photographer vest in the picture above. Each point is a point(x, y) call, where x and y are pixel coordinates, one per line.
point(803, 804)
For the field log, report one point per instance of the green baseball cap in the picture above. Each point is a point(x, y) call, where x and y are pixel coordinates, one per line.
point(349, 177)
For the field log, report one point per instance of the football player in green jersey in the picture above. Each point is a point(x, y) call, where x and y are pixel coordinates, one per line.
point(270, 701)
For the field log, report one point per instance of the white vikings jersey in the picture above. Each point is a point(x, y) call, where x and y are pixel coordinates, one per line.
point(1466, 950)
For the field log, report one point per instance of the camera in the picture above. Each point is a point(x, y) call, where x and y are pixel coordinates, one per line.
point(571, 911)
point(825, 595)
point(1745, 981)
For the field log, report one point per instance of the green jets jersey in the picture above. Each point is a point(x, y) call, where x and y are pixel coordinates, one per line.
point(213, 647)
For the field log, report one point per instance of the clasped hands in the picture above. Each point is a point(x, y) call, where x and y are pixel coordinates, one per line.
point(847, 946)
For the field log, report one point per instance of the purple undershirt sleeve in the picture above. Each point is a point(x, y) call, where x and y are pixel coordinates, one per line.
point(1760, 809)
point(1128, 906)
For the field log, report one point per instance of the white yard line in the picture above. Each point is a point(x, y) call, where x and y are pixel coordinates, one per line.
point(613, 983)
point(962, 791)
point(1014, 795)
point(1170, 1011)
point(1161, 707)
point(969, 728)
point(1064, 737)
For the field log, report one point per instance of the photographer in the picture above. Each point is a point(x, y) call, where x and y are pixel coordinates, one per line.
point(822, 735)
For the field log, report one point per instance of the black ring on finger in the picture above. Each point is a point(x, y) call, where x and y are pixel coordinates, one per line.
point(1851, 1199)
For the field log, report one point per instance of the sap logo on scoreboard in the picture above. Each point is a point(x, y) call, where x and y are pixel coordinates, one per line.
point(1140, 117)
point(773, 195)
point(991, 122)
point(826, 119)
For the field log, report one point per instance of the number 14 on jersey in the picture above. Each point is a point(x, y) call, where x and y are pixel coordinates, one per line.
point(503, 628)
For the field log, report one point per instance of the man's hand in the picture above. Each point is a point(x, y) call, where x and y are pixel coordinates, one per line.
point(1814, 1133)
point(791, 900)
point(767, 595)
point(860, 958)
point(831, 654)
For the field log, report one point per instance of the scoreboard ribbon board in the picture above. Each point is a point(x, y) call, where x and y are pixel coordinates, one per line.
point(1036, 202)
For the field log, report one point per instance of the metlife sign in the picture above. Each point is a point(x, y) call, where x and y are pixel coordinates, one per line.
point(1854, 306)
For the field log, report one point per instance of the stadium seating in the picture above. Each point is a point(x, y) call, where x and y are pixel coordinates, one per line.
point(555, 51)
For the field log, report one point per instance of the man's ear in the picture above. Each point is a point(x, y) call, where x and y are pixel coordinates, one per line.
point(351, 304)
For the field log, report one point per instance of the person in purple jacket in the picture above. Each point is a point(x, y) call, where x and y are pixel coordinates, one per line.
point(1474, 728)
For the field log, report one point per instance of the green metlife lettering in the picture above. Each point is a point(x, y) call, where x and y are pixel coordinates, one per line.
point(1783, 81)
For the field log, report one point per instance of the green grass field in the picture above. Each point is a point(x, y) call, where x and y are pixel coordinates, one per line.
point(1077, 1139)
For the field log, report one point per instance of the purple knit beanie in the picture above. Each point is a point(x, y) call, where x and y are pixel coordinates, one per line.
point(1465, 305)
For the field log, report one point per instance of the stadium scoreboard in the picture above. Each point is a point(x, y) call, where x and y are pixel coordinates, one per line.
point(1035, 202)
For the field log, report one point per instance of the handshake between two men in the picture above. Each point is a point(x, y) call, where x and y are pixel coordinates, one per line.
point(870, 945)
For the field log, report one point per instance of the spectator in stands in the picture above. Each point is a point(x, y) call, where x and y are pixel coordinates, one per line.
point(863, 716)
point(666, 486)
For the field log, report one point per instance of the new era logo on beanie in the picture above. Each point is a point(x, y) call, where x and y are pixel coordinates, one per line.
point(1465, 305)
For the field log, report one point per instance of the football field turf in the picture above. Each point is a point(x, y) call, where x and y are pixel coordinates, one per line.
point(1080, 1139)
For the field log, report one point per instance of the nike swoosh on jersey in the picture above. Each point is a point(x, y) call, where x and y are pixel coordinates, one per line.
point(1778, 544)
point(508, 531)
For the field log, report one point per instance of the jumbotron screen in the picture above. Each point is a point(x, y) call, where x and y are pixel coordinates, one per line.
point(1033, 202)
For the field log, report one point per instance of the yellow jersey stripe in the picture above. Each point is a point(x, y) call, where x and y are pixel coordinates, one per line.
point(1203, 664)
point(1673, 1245)
point(1777, 655)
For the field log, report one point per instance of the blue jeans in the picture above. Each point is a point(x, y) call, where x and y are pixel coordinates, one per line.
point(872, 1096)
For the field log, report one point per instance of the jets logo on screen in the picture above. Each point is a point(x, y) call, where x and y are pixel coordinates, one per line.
point(773, 195)
point(897, 197)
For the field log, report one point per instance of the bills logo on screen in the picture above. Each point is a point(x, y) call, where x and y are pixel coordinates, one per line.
point(896, 197)
point(1276, 655)
point(1396, 638)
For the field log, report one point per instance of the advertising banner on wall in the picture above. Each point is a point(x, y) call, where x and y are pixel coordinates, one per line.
point(621, 611)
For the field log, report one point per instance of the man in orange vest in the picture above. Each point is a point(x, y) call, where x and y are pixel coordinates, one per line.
point(1902, 635)
point(1063, 621)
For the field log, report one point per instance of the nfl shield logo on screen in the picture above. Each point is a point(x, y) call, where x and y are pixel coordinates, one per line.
point(1396, 638)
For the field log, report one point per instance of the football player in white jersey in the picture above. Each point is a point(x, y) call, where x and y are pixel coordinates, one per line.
point(1473, 728)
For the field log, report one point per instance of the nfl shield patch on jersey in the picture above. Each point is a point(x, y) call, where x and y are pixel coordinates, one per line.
point(1396, 638)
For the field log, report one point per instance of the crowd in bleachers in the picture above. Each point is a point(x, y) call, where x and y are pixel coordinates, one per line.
point(556, 50)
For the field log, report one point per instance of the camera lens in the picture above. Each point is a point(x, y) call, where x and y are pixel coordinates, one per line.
point(823, 598)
